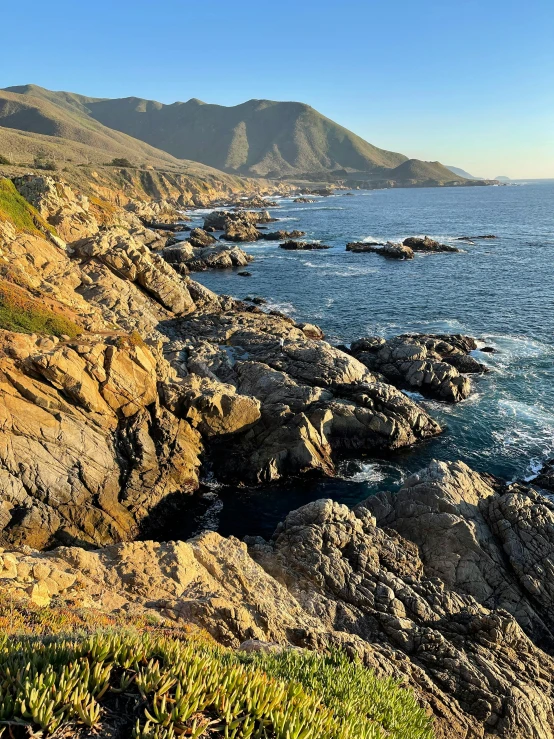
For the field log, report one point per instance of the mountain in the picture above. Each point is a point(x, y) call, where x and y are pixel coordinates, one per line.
point(502, 178)
point(256, 138)
point(415, 171)
point(462, 173)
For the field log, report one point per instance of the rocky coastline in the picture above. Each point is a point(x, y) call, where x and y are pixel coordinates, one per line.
point(124, 381)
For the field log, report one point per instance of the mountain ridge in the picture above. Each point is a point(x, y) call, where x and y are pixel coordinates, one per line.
point(260, 138)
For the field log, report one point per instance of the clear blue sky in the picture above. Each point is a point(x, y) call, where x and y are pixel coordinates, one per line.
point(467, 82)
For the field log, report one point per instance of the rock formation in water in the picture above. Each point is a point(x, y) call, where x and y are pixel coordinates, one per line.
point(389, 250)
point(427, 245)
point(434, 365)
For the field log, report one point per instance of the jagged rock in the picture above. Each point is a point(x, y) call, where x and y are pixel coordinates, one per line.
point(304, 200)
point(545, 478)
point(429, 586)
point(426, 245)
point(281, 235)
point(214, 408)
point(56, 201)
point(430, 364)
point(82, 450)
point(207, 257)
point(302, 245)
point(199, 238)
point(390, 249)
point(133, 261)
point(237, 226)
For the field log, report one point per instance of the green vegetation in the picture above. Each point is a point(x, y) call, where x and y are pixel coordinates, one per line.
point(260, 137)
point(151, 686)
point(21, 312)
point(42, 163)
point(120, 162)
point(4, 160)
point(14, 208)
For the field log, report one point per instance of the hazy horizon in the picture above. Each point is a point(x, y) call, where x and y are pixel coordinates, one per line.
point(468, 86)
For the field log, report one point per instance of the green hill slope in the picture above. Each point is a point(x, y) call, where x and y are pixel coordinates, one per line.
point(259, 137)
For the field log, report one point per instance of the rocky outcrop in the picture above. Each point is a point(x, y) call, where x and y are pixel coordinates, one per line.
point(185, 258)
point(431, 364)
point(316, 400)
point(200, 238)
point(131, 260)
point(281, 235)
point(237, 225)
point(302, 245)
point(427, 245)
point(442, 585)
point(55, 200)
point(389, 250)
point(545, 478)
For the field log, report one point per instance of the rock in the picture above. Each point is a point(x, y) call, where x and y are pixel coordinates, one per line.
point(473, 238)
point(239, 225)
point(55, 200)
point(129, 259)
point(441, 585)
point(390, 250)
point(282, 235)
point(303, 245)
point(427, 245)
point(200, 238)
point(545, 478)
point(429, 363)
point(304, 200)
point(244, 273)
point(214, 408)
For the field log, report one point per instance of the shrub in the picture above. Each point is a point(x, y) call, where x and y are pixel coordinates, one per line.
point(49, 164)
point(4, 160)
point(120, 162)
point(157, 687)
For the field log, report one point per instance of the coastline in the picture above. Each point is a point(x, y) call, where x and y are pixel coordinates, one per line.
point(107, 428)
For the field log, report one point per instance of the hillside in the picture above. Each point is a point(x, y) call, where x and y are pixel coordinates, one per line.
point(423, 173)
point(257, 138)
point(462, 173)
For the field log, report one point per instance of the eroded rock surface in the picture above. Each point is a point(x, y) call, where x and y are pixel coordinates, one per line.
point(425, 585)
point(431, 364)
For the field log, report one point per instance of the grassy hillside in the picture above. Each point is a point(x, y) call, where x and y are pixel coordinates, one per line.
point(260, 137)
point(422, 172)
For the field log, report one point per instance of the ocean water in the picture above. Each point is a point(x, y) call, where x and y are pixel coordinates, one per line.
point(500, 291)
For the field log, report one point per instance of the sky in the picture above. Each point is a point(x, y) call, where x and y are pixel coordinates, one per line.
point(465, 82)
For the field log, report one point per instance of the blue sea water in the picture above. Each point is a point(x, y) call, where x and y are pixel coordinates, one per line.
point(500, 291)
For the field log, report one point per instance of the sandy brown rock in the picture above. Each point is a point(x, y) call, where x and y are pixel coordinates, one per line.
point(66, 210)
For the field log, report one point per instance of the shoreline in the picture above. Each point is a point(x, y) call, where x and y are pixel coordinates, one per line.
point(147, 377)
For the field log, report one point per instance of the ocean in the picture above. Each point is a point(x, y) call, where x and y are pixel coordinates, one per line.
point(500, 291)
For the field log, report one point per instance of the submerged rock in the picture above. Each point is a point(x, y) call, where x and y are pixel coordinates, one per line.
point(303, 245)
